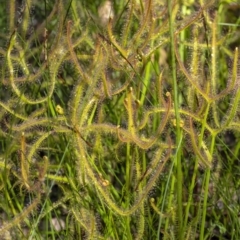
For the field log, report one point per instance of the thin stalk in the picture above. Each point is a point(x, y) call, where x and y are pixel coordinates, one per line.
point(170, 200)
point(178, 128)
point(193, 182)
point(190, 194)
point(127, 187)
point(171, 196)
point(128, 159)
point(208, 174)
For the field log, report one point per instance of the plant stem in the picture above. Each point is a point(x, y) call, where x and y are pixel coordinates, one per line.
point(178, 128)
point(208, 174)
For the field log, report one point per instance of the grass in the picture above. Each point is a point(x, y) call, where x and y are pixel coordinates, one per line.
point(119, 128)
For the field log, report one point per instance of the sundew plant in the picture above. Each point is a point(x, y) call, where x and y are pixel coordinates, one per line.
point(119, 120)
